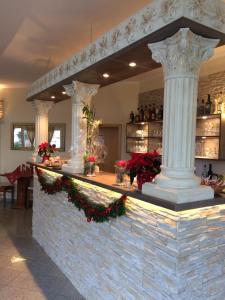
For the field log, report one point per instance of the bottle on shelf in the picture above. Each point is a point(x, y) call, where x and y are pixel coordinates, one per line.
point(141, 114)
point(202, 108)
point(153, 112)
point(198, 107)
point(156, 112)
point(210, 172)
point(204, 172)
point(137, 116)
point(146, 113)
point(208, 105)
point(132, 117)
point(149, 113)
point(160, 113)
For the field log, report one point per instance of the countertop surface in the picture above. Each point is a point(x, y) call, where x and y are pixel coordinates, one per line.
point(107, 180)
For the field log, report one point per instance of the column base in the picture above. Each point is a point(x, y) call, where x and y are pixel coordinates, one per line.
point(178, 195)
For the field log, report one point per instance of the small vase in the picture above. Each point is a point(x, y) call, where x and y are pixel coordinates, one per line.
point(90, 169)
point(120, 176)
point(45, 157)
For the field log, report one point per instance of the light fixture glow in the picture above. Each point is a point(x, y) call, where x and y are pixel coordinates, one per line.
point(204, 137)
point(204, 118)
point(132, 64)
point(53, 97)
point(16, 259)
point(64, 93)
point(105, 75)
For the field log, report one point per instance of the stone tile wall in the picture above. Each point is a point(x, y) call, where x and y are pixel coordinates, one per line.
point(151, 253)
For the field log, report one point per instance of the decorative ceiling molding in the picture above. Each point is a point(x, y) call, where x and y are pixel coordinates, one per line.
point(153, 17)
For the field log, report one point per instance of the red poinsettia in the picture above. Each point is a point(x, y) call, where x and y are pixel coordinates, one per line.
point(144, 165)
point(121, 164)
point(46, 149)
point(91, 158)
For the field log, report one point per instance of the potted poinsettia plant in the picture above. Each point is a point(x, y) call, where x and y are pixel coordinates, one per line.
point(89, 165)
point(45, 150)
point(145, 166)
point(120, 168)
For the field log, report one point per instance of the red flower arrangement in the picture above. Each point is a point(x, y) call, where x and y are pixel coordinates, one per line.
point(45, 149)
point(91, 159)
point(145, 166)
point(121, 164)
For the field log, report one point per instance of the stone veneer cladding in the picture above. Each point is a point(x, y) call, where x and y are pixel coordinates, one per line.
point(212, 84)
point(151, 253)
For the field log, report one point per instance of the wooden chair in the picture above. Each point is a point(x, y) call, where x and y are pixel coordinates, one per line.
point(7, 188)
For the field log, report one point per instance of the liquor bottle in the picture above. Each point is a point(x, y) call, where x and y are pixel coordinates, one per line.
point(137, 116)
point(156, 112)
point(150, 113)
point(208, 105)
point(210, 172)
point(153, 112)
point(202, 108)
point(198, 107)
point(146, 114)
point(204, 172)
point(141, 114)
point(160, 113)
point(132, 117)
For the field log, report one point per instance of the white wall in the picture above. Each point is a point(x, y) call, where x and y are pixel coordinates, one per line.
point(18, 110)
point(113, 105)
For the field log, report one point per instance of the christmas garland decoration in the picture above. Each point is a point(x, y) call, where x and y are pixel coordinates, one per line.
point(93, 212)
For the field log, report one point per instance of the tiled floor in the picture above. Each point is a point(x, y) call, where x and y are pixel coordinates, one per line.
point(35, 278)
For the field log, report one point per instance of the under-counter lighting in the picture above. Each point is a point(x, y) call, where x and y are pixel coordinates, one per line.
point(53, 97)
point(203, 137)
point(64, 93)
point(132, 64)
point(105, 75)
point(204, 118)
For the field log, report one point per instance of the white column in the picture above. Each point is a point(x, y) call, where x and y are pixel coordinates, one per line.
point(41, 123)
point(80, 93)
point(181, 57)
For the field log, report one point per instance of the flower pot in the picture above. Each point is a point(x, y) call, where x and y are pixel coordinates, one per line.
point(45, 157)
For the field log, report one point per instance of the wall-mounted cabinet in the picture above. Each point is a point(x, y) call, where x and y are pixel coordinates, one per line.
point(210, 134)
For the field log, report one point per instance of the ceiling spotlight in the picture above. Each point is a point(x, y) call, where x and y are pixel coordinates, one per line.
point(105, 75)
point(53, 97)
point(132, 64)
point(64, 93)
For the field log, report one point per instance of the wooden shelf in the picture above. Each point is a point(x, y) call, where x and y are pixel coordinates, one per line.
point(208, 136)
point(205, 117)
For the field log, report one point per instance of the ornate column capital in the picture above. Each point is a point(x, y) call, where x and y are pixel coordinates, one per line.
point(42, 107)
point(183, 53)
point(82, 91)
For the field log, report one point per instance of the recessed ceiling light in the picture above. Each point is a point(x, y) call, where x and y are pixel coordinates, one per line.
point(64, 93)
point(132, 64)
point(53, 97)
point(105, 75)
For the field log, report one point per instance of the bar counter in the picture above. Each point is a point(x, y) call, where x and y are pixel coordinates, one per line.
point(151, 252)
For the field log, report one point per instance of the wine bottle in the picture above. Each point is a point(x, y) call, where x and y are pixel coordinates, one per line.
point(204, 172)
point(202, 108)
point(210, 172)
point(208, 105)
point(132, 117)
point(150, 113)
point(153, 112)
point(146, 114)
point(141, 114)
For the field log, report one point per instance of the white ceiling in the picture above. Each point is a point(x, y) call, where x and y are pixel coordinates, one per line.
point(36, 35)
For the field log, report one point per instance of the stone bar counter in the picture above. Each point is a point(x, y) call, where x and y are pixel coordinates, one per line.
point(151, 252)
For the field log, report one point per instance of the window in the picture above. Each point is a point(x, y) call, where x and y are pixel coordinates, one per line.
point(23, 136)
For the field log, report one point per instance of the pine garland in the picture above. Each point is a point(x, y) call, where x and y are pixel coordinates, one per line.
point(93, 211)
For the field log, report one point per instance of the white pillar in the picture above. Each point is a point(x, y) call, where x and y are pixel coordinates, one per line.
point(181, 57)
point(80, 93)
point(41, 123)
